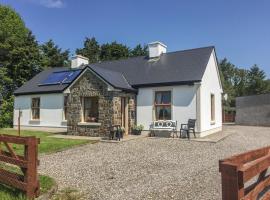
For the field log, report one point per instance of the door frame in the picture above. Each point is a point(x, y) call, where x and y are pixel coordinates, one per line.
point(124, 114)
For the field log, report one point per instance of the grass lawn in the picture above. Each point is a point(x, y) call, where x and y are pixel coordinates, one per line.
point(8, 193)
point(47, 144)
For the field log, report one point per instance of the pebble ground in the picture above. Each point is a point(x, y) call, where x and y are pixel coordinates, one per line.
point(150, 168)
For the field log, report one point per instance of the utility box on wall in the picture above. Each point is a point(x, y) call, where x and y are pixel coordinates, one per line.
point(253, 110)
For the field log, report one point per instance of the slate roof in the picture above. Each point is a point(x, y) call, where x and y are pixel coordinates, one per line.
point(115, 79)
point(173, 68)
point(32, 86)
point(180, 67)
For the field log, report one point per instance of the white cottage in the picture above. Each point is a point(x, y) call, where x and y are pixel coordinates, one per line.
point(87, 99)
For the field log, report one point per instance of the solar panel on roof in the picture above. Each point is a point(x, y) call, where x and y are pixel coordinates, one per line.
point(71, 76)
point(61, 77)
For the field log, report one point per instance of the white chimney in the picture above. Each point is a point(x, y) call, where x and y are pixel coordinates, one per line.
point(156, 49)
point(78, 60)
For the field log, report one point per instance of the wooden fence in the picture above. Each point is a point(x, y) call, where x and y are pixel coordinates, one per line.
point(248, 167)
point(228, 117)
point(26, 181)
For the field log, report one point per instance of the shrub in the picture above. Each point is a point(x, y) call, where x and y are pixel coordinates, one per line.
point(6, 113)
point(138, 128)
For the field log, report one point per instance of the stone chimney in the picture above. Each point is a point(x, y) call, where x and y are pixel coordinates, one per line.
point(78, 60)
point(156, 49)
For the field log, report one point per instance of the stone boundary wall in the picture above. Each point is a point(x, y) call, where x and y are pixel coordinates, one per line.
point(253, 110)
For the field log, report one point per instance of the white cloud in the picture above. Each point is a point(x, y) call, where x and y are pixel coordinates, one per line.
point(50, 3)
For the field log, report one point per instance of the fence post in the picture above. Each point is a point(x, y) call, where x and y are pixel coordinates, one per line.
point(31, 151)
point(232, 184)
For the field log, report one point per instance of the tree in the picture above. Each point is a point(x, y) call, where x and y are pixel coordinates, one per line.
point(91, 50)
point(113, 51)
point(268, 85)
point(6, 112)
point(109, 51)
point(5, 82)
point(20, 59)
point(52, 55)
point(257, 83)
point(241, 82)
point(227, 73)
point(139, 51)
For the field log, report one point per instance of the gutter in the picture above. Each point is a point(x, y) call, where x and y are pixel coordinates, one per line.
point(39, 92)
point(167, 83)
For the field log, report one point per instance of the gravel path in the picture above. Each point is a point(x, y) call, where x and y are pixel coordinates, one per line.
point(150, 168)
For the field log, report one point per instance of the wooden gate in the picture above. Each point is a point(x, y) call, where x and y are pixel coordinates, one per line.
point(28, 162)
point(241, 168)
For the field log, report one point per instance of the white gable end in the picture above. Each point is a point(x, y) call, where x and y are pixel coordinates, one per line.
point(211, 85)
point(211, 74)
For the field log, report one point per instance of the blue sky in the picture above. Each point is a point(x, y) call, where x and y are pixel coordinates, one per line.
point(240, 30)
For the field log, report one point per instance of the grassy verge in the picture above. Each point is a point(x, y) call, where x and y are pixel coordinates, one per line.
point(8, 193)
point(68, 194)
point(47, 144)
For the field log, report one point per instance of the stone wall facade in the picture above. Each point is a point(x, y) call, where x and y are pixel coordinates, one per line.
point(109, 106)
point(131, 109)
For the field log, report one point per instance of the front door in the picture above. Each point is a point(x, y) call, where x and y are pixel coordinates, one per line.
point(124, 114)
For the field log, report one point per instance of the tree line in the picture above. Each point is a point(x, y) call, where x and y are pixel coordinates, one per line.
point(22, 57)
point(241, 82)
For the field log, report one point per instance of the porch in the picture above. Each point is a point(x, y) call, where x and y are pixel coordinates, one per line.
point(93, 108)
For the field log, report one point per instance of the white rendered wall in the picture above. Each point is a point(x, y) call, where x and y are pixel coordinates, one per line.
point(78, 60)
point(156, 49)
point(210, 84)
point(51, 110)
point(183, 104)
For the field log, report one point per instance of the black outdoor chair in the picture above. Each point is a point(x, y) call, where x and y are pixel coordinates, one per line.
point(190, 126)
point(115, 132)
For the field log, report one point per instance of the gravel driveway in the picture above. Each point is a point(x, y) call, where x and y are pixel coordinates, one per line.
point(150, 168)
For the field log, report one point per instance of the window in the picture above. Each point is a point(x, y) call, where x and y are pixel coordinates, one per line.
point(212, 107)
point(65, 107)
point(35, 108)
point(163, 105)
point(90, 109)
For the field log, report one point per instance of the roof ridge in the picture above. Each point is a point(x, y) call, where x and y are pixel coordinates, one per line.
point(126, 80)
point(129, 58)
point(191, 49)
point(110, 70)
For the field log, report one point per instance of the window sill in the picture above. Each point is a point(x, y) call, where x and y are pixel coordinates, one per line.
point(89, 124)
point(34, 121)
